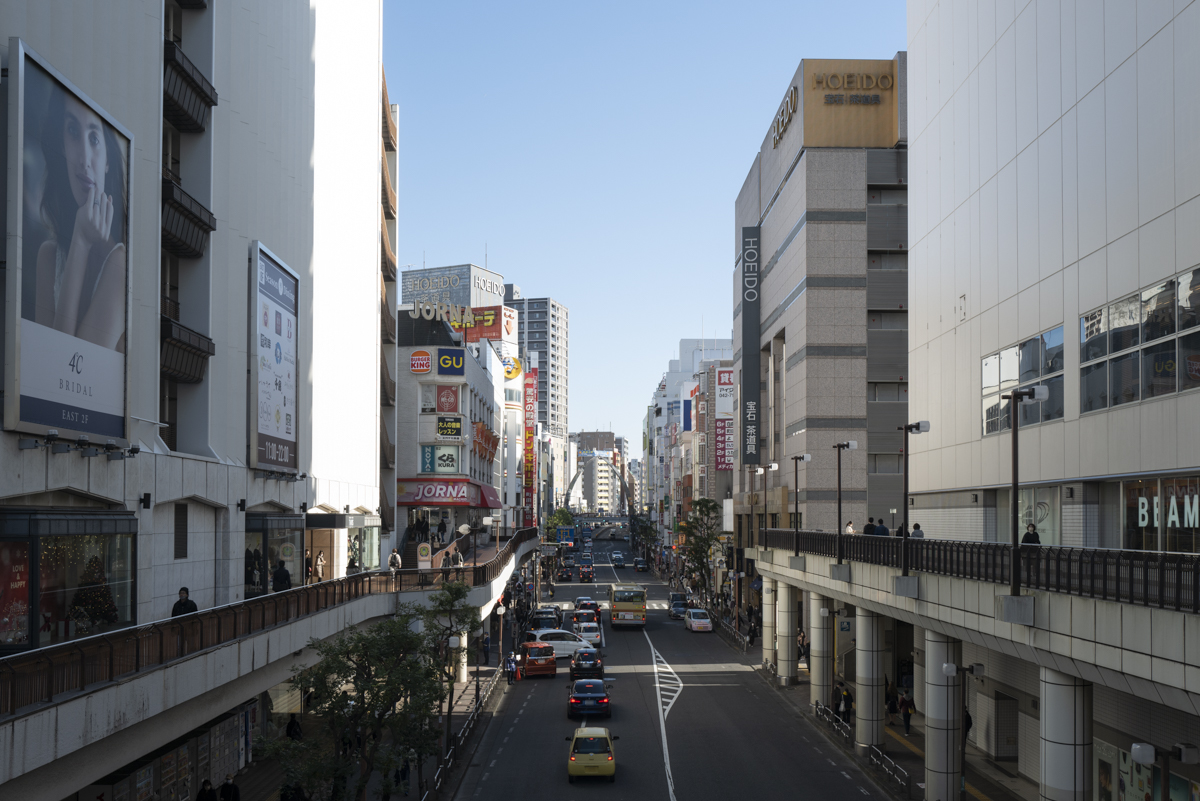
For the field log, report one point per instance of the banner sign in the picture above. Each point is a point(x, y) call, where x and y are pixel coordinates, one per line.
point(447, 398)
point(276, 381)
point(726, 391)
point(66, 288)
point(751, 355)
point(451, 361)
point(449, 429)
point(530, 477)
point(440, 459)
point(724, 444)
point(436, 492)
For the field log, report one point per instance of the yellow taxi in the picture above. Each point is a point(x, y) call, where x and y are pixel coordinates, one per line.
point(591, 754)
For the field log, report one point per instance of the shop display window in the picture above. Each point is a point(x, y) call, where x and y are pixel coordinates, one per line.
point(86, 586)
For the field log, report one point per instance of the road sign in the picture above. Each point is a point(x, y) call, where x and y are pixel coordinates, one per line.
point(566, 535)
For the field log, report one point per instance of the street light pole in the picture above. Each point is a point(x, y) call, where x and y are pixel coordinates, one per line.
point(1027, 395)
point(796, 460)
point(919, 427)
point(953, 669)
point(849, 445)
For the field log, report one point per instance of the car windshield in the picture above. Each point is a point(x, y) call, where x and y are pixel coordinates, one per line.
point(585, 656)
point(699, 614)
point(629, 596)
point(589, 687)
point(591, 745)
point(588, 628)
point(678, 605)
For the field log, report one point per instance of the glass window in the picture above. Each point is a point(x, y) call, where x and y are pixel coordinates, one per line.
point(86, 586)
point(1189, 361)
point(1031, 359)
point(1123, 379)
point(1052, 408)
point(1052, 351)
point(14, 593)
point(1158, 370)
point(1005, 417)
point(1093, 335)
point(1009, 368)
point(1042, 507)
point(1124, 320)
point(1141, 515)
point(1158, 311)
point(1029, 413)
point(1189, 300)
point(991, 373)
point(1093, 387)
point(1182, 505)
point(991, 415)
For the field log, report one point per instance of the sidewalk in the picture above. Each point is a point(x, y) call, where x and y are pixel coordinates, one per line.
point(987, 780)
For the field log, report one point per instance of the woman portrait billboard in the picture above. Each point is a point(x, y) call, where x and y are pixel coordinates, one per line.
point(73, 252)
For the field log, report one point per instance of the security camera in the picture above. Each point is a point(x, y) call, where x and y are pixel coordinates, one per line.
point(110, 446)
point(134, 450)
point(51, 436)
point(83, 441)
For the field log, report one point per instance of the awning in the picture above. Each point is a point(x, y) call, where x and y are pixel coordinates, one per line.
point(490, 498)
point(317, 520)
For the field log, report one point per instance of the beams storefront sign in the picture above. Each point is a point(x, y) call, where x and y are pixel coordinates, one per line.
point(440, 459)
point(420, 362)
point(751, 355)
point(436, 492)
point(452, 361)
point(449, 429)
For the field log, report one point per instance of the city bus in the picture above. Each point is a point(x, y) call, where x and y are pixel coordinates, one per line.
point(627, 605)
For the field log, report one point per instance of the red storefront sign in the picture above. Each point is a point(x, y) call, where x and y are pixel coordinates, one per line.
point(447, 398)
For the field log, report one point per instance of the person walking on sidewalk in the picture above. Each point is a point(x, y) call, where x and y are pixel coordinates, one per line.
point(510, 667)
point(906, 711)
point(802, 646)
point(845, 703)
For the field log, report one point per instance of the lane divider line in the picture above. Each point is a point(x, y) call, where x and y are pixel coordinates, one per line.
point(662, 717)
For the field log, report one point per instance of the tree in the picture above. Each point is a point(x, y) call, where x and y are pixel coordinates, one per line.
point(701, 531)
point(449, 614)
point(562, 517)
point(374, 695)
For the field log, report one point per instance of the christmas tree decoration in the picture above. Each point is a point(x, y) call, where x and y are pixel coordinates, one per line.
point(93, 603)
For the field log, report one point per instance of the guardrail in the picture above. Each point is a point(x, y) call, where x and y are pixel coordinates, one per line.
point(729, 631)
point(38, 676)
point(836, 724)
point(1148, 578)
point(889, 768)
point(459, 739)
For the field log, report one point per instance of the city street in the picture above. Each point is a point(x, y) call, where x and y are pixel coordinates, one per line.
point(726, 733)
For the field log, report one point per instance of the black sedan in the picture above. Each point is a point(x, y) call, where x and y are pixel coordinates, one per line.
point(586, 573)
point(678, 610)
point(618, 560)
point(640, 565)
point(587, 663)
point(565, 574)
point(589, 697)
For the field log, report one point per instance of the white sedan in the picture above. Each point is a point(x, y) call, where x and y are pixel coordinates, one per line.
point(697, 620)
point(589, 632)
point(565, 643)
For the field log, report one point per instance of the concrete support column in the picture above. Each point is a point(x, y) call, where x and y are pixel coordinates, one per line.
point(768, 621)
point(785, 632)
point(1066, 729)
point(943, 718)
point(868, 672)
point(820, 649)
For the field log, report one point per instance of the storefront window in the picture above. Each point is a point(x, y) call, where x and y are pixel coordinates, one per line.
point(14, 593)
point(86, 586)
point(1141, 515)
point(1181, 501)
point(266, 547)
point(363, 548)
point(1042, 507)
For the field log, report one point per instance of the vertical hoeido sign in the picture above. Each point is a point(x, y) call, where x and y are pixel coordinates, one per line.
point(274, 338)
point(751, 302)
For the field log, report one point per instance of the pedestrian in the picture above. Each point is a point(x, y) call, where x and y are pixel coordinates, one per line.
point(293, 730)
point(891, 706)
point(185, 605)
point(510, 666)
point(229, 791)
point(869, 528)
point(900, 531)
point(307, 566)
point(850, 527)
point(281, 579)
point(845, 703)
point(320, 565)
point(487, 648)
point(881, 530)
point(967, 722)
point(441, 531)
point(751, 631)
point(906, 711)
point(352, 566)
point(394, 562)
point(207, 793)
point(802, 646)
point(917, 534)
point(1031, 536)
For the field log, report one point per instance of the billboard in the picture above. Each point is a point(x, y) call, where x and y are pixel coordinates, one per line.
point(451, 361)
point(531, 402)
point(436, 492)
point(495, 323)
point(440, 459)
point(449, 429)
point(67, 285)
point(274, 379)
point(723, 418)
point(751, 355)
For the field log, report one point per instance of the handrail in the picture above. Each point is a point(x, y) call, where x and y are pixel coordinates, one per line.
point(36, 677)
point(459, 738)
point(831, 719)
point(1149, 578)
point(890, 768)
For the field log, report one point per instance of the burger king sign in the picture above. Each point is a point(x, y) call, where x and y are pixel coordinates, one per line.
point(420, 362)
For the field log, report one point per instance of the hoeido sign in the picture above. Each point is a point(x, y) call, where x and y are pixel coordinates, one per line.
point(751, 355)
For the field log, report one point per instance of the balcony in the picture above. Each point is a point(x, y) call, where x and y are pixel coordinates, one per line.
point(184, 353)
point(186, 224)
point(387, 451)
point(187, 94)
point(387, 331)
point(388, 196)
point(390, 134)
point(387, 385)
point(387, 262)
point(169, 308)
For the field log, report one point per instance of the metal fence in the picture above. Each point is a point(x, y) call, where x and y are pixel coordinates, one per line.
point(1149, 578)
point(38, 676)
point(459, 741)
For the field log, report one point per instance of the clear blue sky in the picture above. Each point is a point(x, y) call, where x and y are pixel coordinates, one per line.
point(597, 150)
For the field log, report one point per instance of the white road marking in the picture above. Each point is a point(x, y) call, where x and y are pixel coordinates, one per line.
point(659, 665)
point(863, 790)
point(492, 764)
point(485, 777)
point(847, 775)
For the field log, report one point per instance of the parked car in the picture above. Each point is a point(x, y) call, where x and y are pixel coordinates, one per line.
point(697, 620)
point(565, 643)
point(591, 754)
point(587, 663)
point(536, 659)
point(678, 610)
point(589, 632)
point(589, 697)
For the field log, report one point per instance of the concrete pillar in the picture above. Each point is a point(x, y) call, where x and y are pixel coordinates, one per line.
point(460, 668)
point(943, 718)
point(1066, 730)
point(785, 632)
point(768, 621)
point(820, 649)
point(868, 672)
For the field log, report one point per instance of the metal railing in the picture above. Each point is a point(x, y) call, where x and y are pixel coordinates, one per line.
point(836, 724)
point(1148, 578)
point(38, 676)
point(889, 768)
point(459, 739)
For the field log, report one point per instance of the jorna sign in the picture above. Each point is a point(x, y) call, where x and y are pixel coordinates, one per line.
point(434, 492)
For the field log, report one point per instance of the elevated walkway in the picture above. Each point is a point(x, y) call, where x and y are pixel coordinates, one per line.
point(71, 712)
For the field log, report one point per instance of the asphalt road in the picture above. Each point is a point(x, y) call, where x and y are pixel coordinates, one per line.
point(695, 722)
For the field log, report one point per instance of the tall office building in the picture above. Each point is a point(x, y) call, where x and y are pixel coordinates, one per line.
point(598, 456)
point(544, 333)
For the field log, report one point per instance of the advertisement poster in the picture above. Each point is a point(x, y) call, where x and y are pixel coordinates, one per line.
point(14, 593)
point(420, 362)
point(439, 459)
point(275, 310)
point(449, 429)
point(530, 480)
point(66, 322)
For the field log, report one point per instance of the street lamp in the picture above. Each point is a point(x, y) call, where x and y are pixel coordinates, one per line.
point(1026, 395)
point(951, 669)
point(850, 445)
point(919, 427)
point(796, 460)
point(1147, 754)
